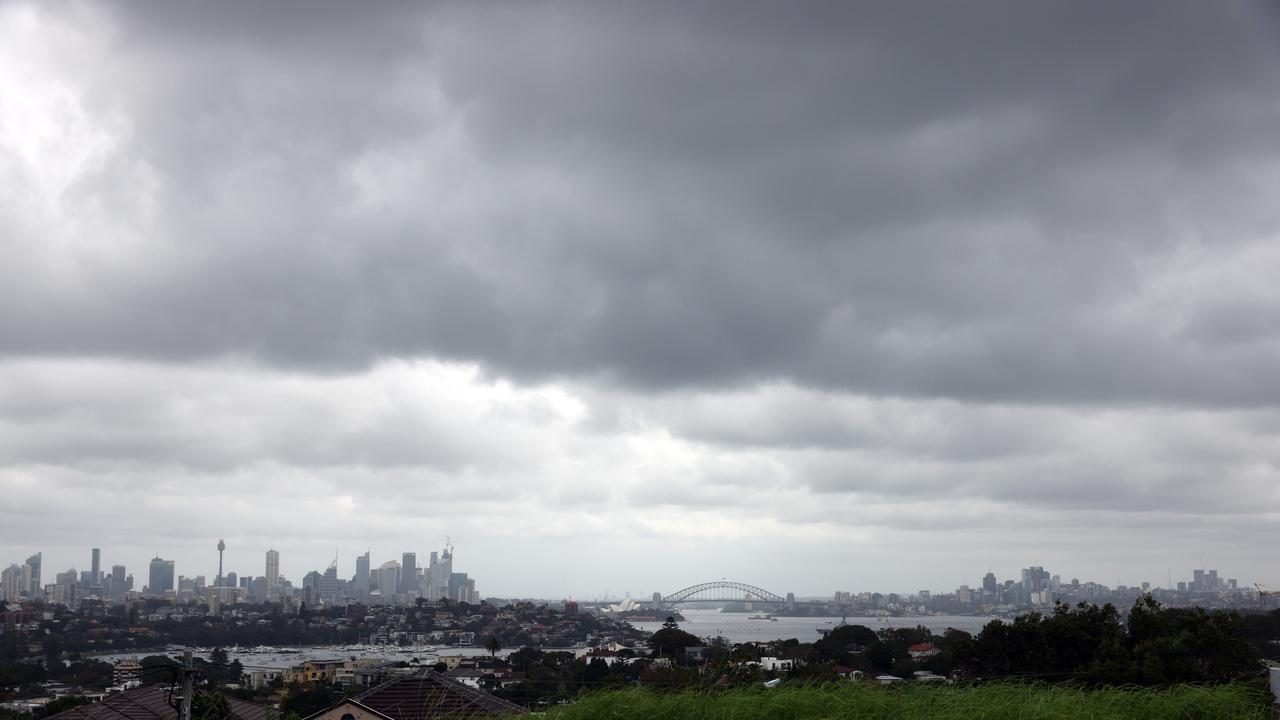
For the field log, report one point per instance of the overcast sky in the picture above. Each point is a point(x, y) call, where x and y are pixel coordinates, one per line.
point(817, 296)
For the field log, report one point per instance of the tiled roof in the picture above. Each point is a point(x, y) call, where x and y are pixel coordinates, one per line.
point(428, 694)
point(150, 702)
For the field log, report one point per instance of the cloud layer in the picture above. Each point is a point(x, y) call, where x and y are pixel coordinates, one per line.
point(731, 283)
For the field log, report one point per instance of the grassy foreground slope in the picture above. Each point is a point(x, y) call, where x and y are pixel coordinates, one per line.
point(866, 702)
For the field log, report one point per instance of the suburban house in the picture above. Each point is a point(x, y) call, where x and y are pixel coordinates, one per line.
point(424, 695)
point(152, 702)
point(922, 650)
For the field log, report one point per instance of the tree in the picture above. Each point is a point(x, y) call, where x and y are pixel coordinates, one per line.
point(308, 700)
point(524, 659)
point(852, 635)
point(671, 641)
point(839, 644)
point(52, 648)
point(66, 702)
point(493, 645)
point(210, 706)
point(879, 656)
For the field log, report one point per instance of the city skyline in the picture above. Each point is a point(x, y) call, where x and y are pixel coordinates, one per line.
point(1174, 578)
point(643, 295)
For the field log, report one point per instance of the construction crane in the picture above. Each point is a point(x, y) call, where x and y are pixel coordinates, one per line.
point(1263, 593)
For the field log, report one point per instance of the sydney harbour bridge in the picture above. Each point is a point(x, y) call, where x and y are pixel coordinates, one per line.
point(722, 591)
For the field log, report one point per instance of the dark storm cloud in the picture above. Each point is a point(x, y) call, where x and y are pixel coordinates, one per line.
point(970, 200)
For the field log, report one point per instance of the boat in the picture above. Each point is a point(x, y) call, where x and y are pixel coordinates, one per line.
point(770, 618)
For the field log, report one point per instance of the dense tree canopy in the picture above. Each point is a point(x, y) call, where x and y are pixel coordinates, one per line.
point(670, 641)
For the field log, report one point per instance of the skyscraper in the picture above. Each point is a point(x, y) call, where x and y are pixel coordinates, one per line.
point(11, 584)
point(387, 578)
point(35, 589)
point(438, 574)
point(95, 567)
point(273, 574)
point(221, 546)
point(160, 581)
point(117, 581)
point(362, 577)
point(409, 575)
point(329, 584)
point(1035, 585)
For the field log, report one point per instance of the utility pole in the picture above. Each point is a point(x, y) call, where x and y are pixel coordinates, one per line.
point(187, 690)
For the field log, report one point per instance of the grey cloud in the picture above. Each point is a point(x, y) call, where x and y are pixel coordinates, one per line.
point(218, 419)
point(882, 276)
point(955, 201)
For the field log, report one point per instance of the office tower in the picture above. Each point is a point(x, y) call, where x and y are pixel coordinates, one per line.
point(362, 577)
point(160, 581)
point(95, 567)
point(1197, 582)
point(65, 588)
point(1035, 585)
point(230, 580)
point(117, 581)
point(329, 584)
point(11, 584)
point(462, 588)
point(457, 587)
point(35, 588)
point(989, 583)
point(273, 574)
point(438, 574)
point(387, 578)
point(221, 546)
point(409, 575)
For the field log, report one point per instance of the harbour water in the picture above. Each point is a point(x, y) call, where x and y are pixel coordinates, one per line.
point(703, 622)
point(740, 627)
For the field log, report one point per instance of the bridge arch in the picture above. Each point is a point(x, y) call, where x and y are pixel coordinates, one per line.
point(722, 590)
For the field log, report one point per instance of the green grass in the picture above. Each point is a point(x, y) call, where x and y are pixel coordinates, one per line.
point(994, 701)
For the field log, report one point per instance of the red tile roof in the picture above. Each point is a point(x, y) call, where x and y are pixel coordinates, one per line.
point(150, 702)
point(428, 694)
